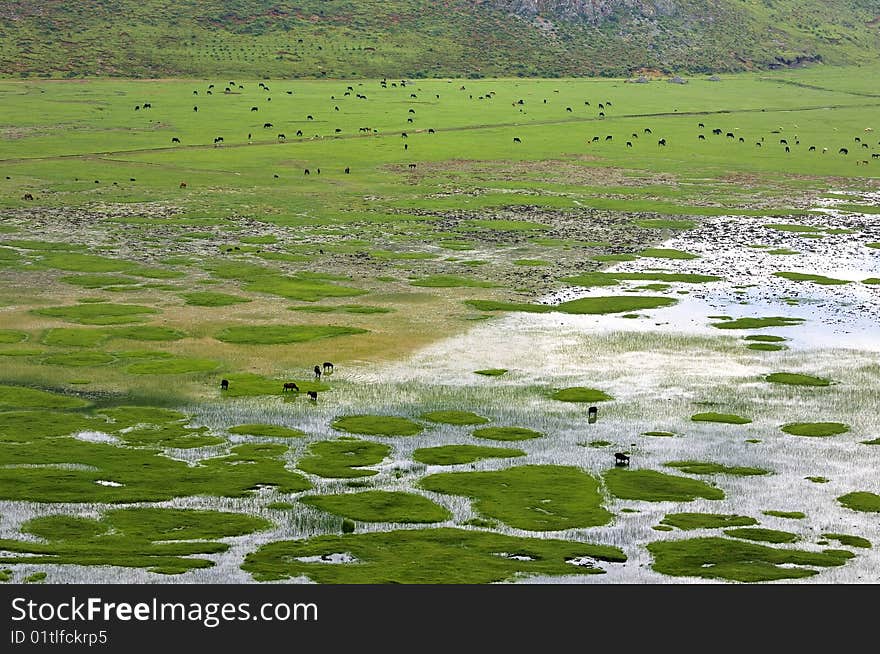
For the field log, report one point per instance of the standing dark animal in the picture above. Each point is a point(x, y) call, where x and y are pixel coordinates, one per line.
point(267, 125)
point(195, 108)
point(27, 196)
point(255, 108)
point(648, 130)
point(313, 396)
point(843, 151)
point(621, 459)
point(787, 149)
point(412, 166)
point(568, 109)
point(306, 172)
point(310, 118)
point(290, 386)
point(516, 139)
point(701, 125)
point(730, 135)
point(183, 185)
point(317, 370)
point(430, 131)
point(347, 170)
point(281, 137)
point(328, 367)
point(701, 137)
point(147, 105)
point(609, 137)
point(224, 384)
point(299, 132)
point(662, 143)
point(812, 148)
point(174, 139)
point(629, 144)
point(592, 414)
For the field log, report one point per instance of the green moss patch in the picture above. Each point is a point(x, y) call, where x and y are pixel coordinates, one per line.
point(536, 497)
point(166, 541)
point(861, 501)
point(78, 359)
point(452, 281)
point(343, 458)
point(659, 434)
point(691, 521)
point(172, 366)
point(758, 323)
point(815, 279)
point(449, 455)
point(491, 372)
point(587, 305)
point(380, 506)
point(727, 418)
point(21, 397)
point(8, 336)
point(581, 394)
point(653, 486)
point(506, 433)
point(211, 299)
point(454, 417)
point(815, 429)
point(762, 535)
point(849, 541)
point(667, 253)
point(708, 468)
point(724, 558)
point(766, 347)
point(426, 556)
point(377, 425)
point(788, 515)
point(282, 334)
point(99, 281)
point(103, 313)
point(796, 379)
point(301, 287)
point(274, 431)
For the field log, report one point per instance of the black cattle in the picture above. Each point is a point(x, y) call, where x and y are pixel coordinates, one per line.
point(281, 137)
point(299, 132)
point(310, 117)
point(250, 136)
point(701, 137)
point(629, 144)
point(219, 139)
point(409, 120)
point(601, 106)
point(255, 108)
point(858, 140)
point(730, 135)
point(812, 148)
point(742, 140)
point(595, 138)
point(601, 114)
point(289, 386)
point(224, 384)
point(195, 92)
point(621, 459)
point(174, 139)
point(210, 93)
point(516, 139)
point(328, 367)
point(147, 105)
point(137, 107)
point(783, 142)
point(865, 145)
point(195, 108)
point(337, 130)
point(648, 130)
point(412, 166)
point(787, 149)
point(412, 111)
point(843, 151)
point(406, 146)
point(313, 396)
point(716, 131)
point(210, 86)
point(609, 137)
point(347, 170)
point(267, 125)
point(758, 144)
point(183, 185)
point(404, 135)
point(875, 156)
point(430, 131)
point(701, 125)
point(317, 370)
point(306, 172)
point(27, 196)
point(568, 109)
point(661, 143)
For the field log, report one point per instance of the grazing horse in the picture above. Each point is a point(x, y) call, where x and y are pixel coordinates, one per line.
point(313, 396)
point(290, 386)
point(317, 370)
point(328, 367)
point(224, 384)
point(621, 459)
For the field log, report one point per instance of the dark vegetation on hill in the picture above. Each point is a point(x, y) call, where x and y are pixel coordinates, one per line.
point(429, 38)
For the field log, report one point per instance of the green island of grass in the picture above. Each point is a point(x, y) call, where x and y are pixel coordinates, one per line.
point(653, 486)
point(343, 458)
point(691, 521)
point(448, 455)
point(454, 417)
point(380, 506)
point(506, 433)
point(815, 429)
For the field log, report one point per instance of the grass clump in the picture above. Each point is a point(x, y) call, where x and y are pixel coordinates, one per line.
point(535, 497)
point(342, 459)
point(788, 515)
point(449, 455)
point(21, 397)
point(727, 418)
point(848, 540)
point(454, 417)
point(103, 313)
point(587, 305)
point(377, 425)
point(667, 253)
point(758, 323)
point(653, 486)
point(691, 521)
point(273, 431)
point(861, 501)
point(506, 433)
point(659, 434)
point(491, 372)
point(581, 394)
point(723, 558)
point(211, 299)
point(172, 366)
point(79, 359)
point(816, 279)
point(795, 379)
point(424, 556)
point(380, 506)
point(708, 468)
point(452, 281)
point(815, 429)
point(282, 334)
point(9, 336)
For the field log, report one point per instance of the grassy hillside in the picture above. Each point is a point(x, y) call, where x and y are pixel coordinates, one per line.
point(426, 38)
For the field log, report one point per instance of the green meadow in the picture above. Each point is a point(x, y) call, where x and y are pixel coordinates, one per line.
point(303, 315)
